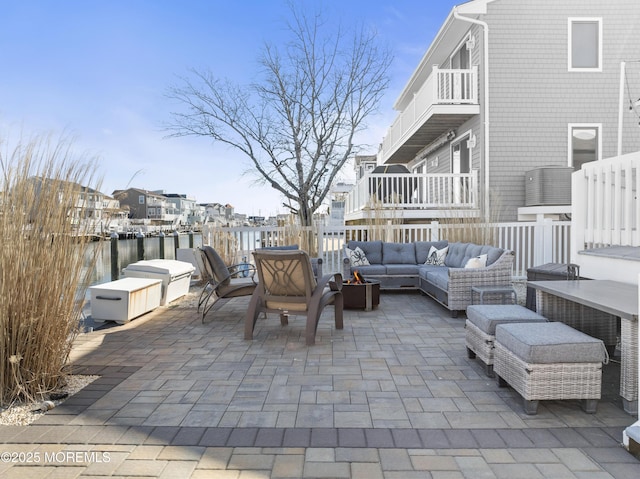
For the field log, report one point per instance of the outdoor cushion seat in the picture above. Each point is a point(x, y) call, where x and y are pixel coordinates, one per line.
point(424, 269)
point(375, 269)
point(399, 269)
point(549, 361)
point(480, 328)
point(487, 316)
point(552, 342)
point(439, 278)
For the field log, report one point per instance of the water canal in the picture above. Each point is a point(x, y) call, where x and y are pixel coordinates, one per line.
point(128, 253)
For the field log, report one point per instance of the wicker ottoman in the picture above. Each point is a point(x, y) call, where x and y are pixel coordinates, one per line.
point(481, 323)
point(549, 361)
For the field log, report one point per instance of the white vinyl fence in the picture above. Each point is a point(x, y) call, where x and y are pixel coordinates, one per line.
point(534, 243)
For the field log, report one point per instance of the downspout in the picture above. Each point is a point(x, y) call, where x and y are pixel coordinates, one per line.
point(485, 47)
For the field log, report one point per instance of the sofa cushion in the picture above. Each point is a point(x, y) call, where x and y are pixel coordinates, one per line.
point(372, 250)
point(546, 343)
point(460, 253)
point(439, 278)
point(455, 255)
point(402, 269)
point(423, 269)
point(423, 248)
point(398, 253)
point(487, 316)
point(374, 269)
point(493, 254)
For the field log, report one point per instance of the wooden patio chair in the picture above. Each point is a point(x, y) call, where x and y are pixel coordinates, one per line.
point(287, 286)
point(223, 282)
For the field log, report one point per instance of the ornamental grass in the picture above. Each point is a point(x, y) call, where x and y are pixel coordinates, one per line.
point(43, 263)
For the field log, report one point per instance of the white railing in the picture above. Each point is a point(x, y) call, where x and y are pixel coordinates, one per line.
point(414, 190)
point(606, 206)
point(534, 243)
point(442, 87)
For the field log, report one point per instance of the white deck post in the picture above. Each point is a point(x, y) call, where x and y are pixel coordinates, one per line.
point(631, 435)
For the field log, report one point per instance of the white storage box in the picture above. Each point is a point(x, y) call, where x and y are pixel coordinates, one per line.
point(175, 276)
point(124, 299)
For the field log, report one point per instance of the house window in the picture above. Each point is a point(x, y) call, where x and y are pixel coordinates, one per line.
point(141, 199)
point(585, 44)
point(584, 144)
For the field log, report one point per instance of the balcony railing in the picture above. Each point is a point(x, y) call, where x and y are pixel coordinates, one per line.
point(443, 87)
point(414, 191)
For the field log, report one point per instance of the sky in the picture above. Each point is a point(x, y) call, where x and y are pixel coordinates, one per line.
point(98, 71)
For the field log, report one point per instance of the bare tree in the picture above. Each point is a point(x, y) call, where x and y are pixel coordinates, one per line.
point(297, 124)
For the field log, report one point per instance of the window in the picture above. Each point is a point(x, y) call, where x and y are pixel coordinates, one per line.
point(584, 144)
point(141, 200)
point(585, 44)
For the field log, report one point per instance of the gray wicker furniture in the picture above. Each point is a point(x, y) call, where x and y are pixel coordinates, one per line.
point(404, 266)
point(620, 300)
point(549, 361)
point(480, 328)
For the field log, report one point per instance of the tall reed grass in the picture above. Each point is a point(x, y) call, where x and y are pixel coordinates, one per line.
point(42, 277)
point(476, 230)
point(378, 219)
point(225, 244)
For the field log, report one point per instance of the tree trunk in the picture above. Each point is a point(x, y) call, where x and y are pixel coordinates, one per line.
point(305, 214)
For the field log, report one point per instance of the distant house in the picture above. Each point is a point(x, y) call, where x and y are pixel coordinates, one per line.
point(92, 211)
point(146, 205)
point(509, 87)
point(184, 208)
point(219, 214)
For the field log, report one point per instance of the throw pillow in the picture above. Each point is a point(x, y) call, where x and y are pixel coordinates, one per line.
point(357, 257)
point(436, 256)
point(477, 262)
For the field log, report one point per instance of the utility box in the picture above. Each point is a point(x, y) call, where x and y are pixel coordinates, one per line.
point(175, 276)
point(124, 299)
point(547, 186)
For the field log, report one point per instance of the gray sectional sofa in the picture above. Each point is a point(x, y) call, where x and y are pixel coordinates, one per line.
point(403, 265)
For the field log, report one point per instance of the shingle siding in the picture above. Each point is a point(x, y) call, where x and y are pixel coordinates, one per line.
point(533, 97)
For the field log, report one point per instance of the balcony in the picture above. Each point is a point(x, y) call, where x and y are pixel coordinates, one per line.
point(445, 101)
point(413, 196)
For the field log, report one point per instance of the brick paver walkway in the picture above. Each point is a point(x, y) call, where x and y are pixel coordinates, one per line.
point(392, 395)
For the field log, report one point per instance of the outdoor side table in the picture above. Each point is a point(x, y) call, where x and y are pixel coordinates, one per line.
point(503, 291)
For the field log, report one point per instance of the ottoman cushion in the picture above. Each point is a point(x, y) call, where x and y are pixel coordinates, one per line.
point(553, 342)
point(487, 316)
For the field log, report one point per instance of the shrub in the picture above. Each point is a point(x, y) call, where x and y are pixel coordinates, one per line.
point(43, 269)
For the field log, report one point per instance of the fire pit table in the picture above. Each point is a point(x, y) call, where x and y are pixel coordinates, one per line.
point(364, 295)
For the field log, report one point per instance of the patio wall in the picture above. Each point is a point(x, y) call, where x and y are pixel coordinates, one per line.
point(534, 243)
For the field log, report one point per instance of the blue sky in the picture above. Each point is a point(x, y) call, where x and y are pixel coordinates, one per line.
point(98, 70)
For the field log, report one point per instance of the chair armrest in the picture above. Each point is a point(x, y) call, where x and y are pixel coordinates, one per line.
point(237, 270)
point(499, 272)
point(333, 280)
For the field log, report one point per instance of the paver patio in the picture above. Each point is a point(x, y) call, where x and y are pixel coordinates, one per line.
point(391, 395)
